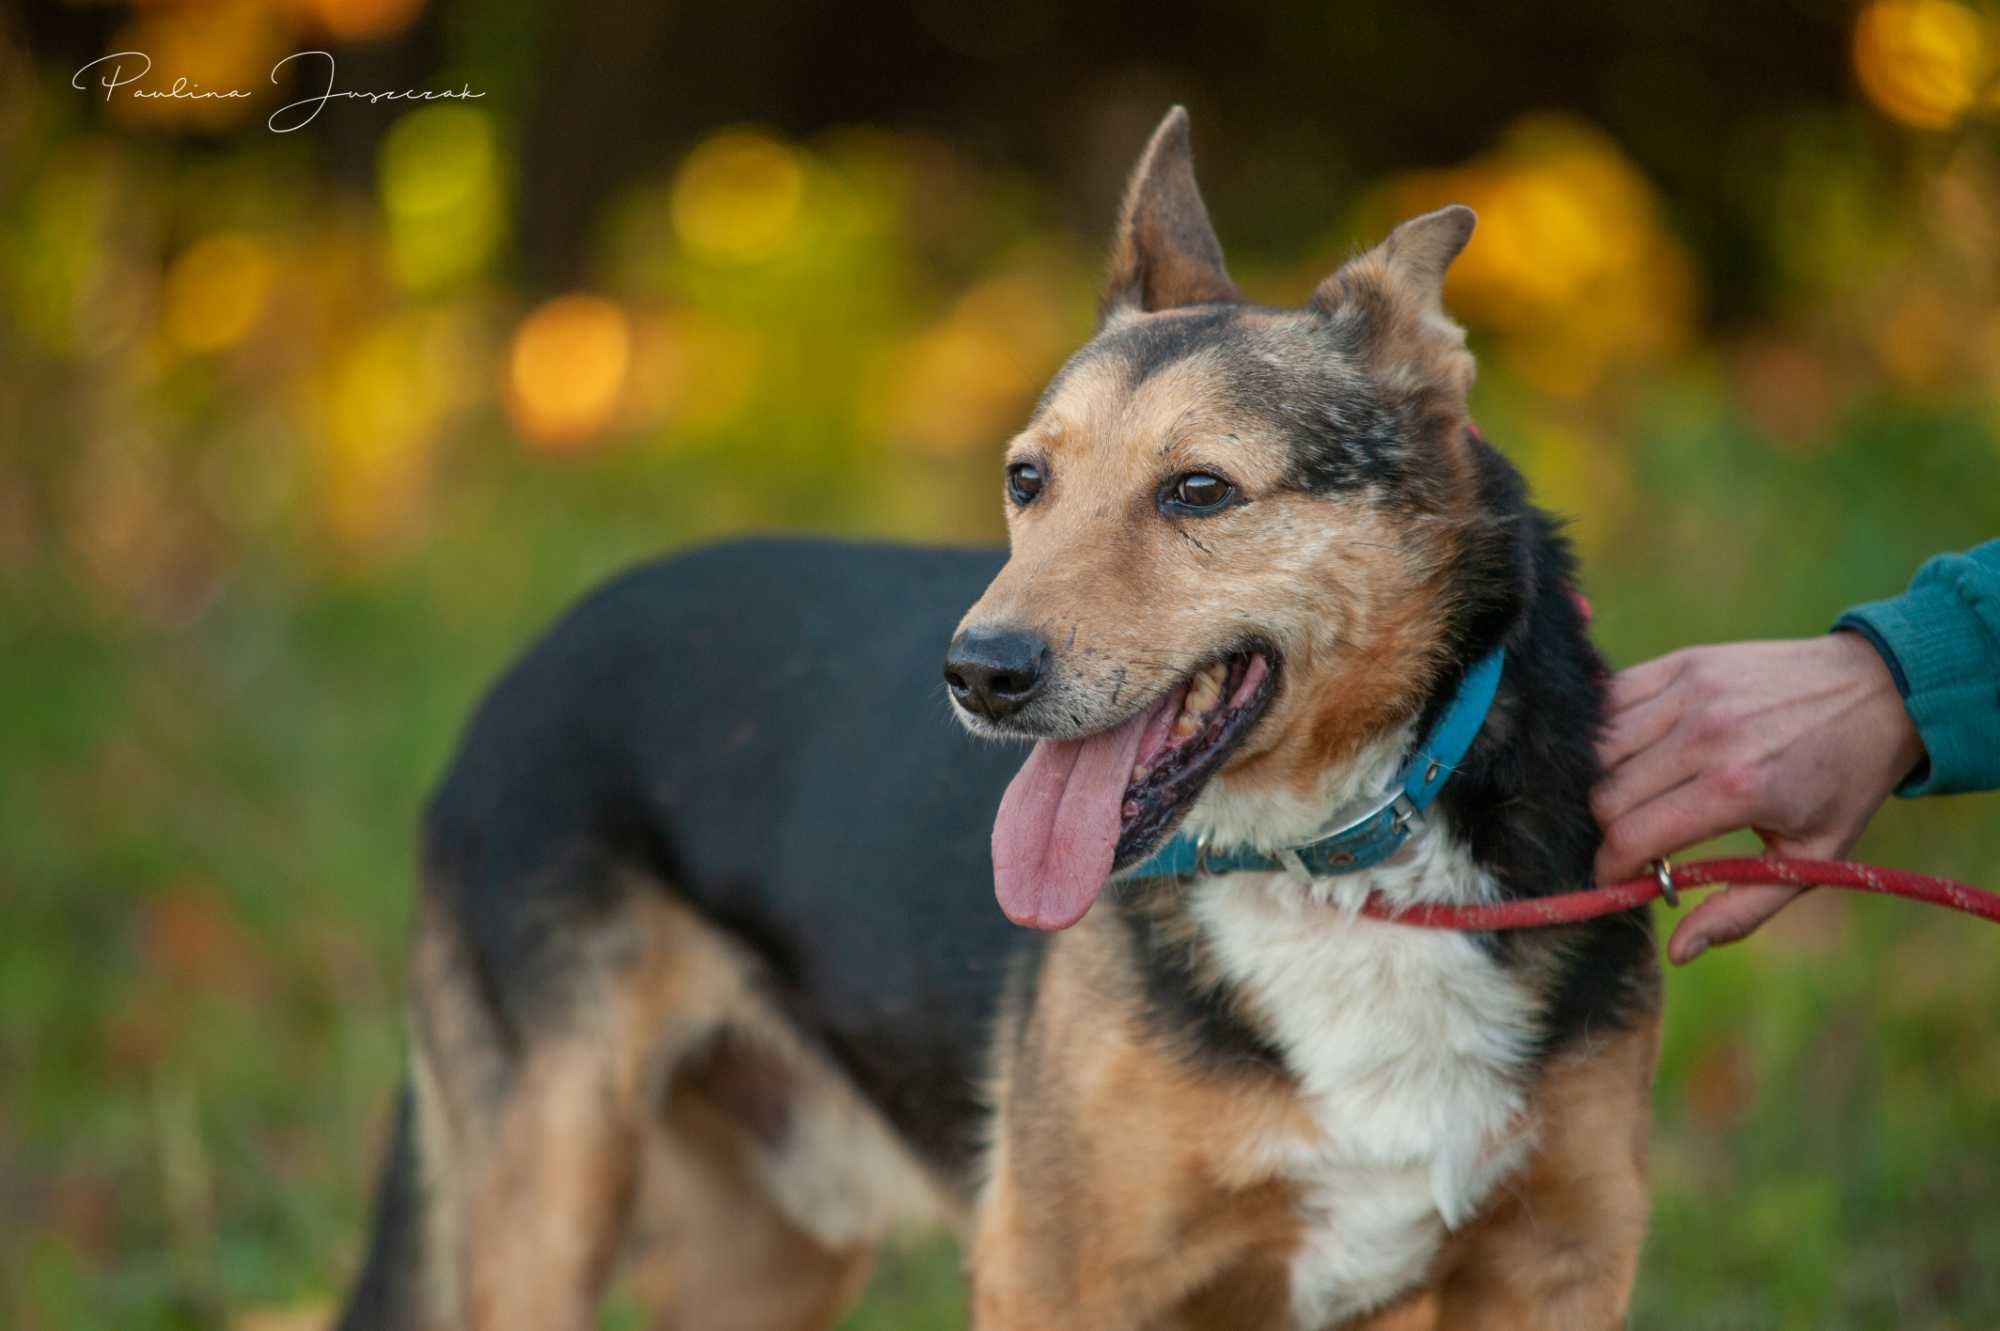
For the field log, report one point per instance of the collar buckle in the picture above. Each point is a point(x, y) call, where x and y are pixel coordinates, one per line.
point(1409, 818)
point(1397, 799)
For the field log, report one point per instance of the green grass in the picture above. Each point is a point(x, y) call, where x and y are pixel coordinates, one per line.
point(204, 878)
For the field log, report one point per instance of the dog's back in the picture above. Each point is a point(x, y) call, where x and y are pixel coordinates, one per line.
point(734, 771)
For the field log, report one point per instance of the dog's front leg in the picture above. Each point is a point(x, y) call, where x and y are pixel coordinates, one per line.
point(1216, 1282)
point(1100, 1217)
point(1560, 1252)
point(1128, 1189)
point(1032, 1270)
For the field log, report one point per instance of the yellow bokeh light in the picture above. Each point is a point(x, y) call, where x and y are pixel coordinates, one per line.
point(692, 371)
point(215, 292)
point(1581, 475)
point(566, 371)
point(966, 382)
point(379, 416)
point(434, 159)
point(1572, 264)
point(737, 196)
point(1923, 62)
point(439, 178)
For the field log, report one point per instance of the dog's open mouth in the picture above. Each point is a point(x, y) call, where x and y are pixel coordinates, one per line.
point(1079, 809)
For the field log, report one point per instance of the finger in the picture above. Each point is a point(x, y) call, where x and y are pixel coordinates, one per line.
point(1730, 914)
point(1641, 779)
point(1635, 684)
point(1638, 728)
point(1690, 812)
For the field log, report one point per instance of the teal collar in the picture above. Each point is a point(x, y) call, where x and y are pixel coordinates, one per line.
point(1373, 836)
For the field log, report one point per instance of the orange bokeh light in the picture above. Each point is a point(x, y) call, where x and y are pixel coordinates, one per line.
point(566, 371)
point(216, 291)
point(362, 20)
point(210, 51)
point(1923, 62)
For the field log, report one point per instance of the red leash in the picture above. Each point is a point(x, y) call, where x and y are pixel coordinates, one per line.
point(1589, 904)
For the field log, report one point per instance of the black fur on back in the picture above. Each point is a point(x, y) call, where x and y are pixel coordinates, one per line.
point(760, 727)
point(1521, 798)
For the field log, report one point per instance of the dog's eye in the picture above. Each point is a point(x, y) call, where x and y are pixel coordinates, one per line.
point(1199, 492)
point(1024, 482)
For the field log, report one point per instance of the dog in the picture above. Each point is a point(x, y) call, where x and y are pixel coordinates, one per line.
point(708, 988)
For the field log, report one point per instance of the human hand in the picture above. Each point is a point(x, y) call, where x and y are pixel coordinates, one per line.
point(1799, 740)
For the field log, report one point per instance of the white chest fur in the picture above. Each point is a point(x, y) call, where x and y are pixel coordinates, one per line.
point(1410, 1046)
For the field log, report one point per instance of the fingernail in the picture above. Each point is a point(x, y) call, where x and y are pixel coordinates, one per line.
point(1700, 946)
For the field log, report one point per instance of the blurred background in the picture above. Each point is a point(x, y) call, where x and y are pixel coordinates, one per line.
point(303, 434)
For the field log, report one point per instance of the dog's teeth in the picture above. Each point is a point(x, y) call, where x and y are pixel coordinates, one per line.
point(1141, 772)
point(1204, 690)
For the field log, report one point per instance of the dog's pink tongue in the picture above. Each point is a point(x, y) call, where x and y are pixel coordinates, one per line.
point(1058, 826)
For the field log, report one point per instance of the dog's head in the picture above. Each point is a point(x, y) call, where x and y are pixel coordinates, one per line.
point(1233, 532)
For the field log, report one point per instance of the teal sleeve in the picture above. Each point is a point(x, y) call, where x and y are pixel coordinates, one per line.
point(1941, 640)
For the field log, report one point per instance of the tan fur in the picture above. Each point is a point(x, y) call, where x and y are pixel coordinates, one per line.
point(1387, 596)
point(542, 1214)
point(1561, 1249)
point(1125, 1191)
point(708, 1248)
point(630, 1126)
point(1417, 1313)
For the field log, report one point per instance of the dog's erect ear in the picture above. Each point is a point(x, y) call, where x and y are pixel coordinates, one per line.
point(1165, 252)
point(1410, 264)
point(1420, 250)
point(1395, 295)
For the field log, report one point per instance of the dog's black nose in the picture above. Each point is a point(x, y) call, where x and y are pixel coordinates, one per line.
point(994, 672)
